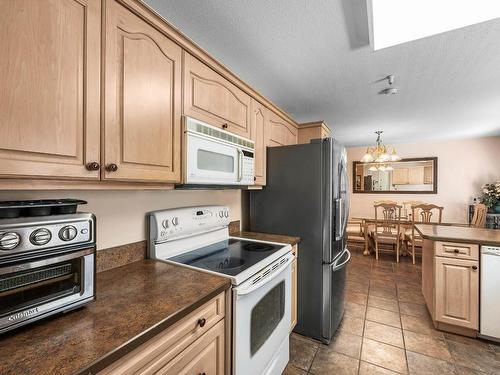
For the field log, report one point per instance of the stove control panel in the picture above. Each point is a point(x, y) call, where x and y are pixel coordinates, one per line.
point(179, 222)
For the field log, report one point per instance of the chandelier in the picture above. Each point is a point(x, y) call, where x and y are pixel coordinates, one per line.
point(380, 155)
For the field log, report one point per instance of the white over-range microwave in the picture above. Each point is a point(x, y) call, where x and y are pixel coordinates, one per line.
point(216, 157)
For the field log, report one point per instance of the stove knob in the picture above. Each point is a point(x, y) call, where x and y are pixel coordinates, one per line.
point(164, 224)
point(226, 214)
point(9, 240)
point(68, 233)
point(175, 221)
point(221, 214)
point(40, 237)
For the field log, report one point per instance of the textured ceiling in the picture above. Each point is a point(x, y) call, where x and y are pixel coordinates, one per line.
point(312, 58)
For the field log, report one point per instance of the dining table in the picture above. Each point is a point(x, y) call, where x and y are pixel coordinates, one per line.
point(406, 222)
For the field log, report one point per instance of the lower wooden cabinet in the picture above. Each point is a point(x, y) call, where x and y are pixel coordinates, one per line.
point(450, 285)
point(457, 292)
point(194, 345)
point(294, 287)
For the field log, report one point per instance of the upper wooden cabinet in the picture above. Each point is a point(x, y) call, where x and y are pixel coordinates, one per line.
point(281, 133)
point(259, 131)
point(142, 112)
point(49, 100)
point(312, 130)
point(210, 97)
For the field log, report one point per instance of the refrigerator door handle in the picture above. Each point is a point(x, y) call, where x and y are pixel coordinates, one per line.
point(339, 229)
point(336, 267)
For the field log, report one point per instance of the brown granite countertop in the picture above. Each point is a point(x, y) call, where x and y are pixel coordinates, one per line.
point(134, 302)
point(267, 237)
point(455, 233)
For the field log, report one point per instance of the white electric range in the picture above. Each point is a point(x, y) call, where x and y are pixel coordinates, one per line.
point(260, 274)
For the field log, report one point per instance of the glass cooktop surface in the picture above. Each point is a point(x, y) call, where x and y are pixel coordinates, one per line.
point(229, 257)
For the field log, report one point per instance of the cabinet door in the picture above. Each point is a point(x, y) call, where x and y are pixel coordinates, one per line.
point(210, 97)
point(142, 121)
point(281, 133)
point(416, 175)
point(457, 292)
point(400, 176)
point(204, 356)
point(260, 126)
point(49, 96)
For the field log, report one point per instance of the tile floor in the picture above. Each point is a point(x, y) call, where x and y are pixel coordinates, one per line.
point(387, 330)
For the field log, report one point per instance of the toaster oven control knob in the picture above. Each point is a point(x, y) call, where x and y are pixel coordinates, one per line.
point(67, 233)
point(40, 237)
point(9, 240)
point(175, 221)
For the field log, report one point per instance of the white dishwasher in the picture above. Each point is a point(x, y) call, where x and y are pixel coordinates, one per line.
point(489, 323)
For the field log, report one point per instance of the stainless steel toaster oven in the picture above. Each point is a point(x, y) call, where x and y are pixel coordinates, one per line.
point(47, 266)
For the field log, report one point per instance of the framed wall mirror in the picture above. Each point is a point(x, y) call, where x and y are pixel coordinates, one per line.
point(407, 176)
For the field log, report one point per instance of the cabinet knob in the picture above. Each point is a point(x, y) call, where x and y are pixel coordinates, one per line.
point(202, 373)
point(93, 166)
point(224, 126)
point(474, 268)
point(254, 178)
point(112, 167)
point(456, 251)
point(202, 322)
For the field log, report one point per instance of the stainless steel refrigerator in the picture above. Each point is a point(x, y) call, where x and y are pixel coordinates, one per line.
point(307, 196)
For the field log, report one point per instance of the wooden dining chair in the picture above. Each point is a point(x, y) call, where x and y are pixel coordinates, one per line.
point(407, 205)
point(421, 213)
point(479, 216)
point(387, 228)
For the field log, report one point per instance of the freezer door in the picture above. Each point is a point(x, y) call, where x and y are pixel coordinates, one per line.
point(334, 278)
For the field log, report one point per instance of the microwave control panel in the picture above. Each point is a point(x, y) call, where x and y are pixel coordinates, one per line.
point(248, 170)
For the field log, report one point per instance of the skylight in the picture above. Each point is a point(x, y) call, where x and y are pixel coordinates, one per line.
point(394, 22)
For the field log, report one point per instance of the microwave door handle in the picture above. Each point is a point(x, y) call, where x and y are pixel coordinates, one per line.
point(240, 165)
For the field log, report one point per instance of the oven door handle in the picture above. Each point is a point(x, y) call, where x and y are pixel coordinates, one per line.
point(267, 280)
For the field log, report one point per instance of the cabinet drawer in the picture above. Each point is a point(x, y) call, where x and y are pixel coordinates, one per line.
point(457, 250)
point(161, 349)
point(204, 356)
point(210, 97)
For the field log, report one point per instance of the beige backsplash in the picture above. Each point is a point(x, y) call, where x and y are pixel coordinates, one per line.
point(121, 215)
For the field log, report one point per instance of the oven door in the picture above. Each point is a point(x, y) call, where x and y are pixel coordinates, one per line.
point(261, 322)
point(33, 289)
point(209, 161)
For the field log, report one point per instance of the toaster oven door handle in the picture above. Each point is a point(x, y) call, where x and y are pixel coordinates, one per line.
point(240, 165)
point(44, 262)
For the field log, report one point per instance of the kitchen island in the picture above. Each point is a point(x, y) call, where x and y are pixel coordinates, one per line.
point(451, 274)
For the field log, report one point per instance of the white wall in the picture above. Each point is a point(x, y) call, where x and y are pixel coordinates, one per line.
point(463, 167)
point(121, 214)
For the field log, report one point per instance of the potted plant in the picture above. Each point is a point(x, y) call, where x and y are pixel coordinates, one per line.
point(491, 197)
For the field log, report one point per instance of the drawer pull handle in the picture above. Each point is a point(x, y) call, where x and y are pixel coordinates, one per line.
point(474, 268)
point(202, 373)
point(456, 251)
point(202, 322)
